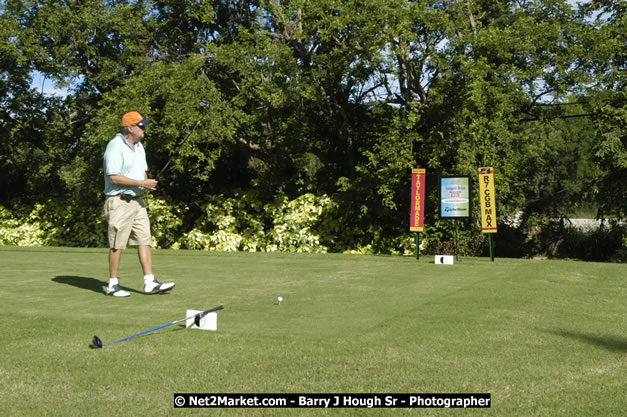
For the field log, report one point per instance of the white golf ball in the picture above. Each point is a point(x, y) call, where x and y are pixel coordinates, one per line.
point(280, 299)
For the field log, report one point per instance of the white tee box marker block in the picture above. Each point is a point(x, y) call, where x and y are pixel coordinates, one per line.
point(209, 322)
point(444, 259)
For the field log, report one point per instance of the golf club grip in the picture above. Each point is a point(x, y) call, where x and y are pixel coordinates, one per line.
point(200, 315)
point(211, 310)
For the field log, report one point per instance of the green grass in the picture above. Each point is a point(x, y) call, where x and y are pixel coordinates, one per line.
point(544, 337)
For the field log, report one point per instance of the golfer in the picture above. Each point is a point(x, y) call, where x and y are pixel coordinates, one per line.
point(127, 218)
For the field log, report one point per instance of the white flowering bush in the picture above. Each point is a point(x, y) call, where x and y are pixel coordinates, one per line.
point(240, 223)
point(52, 223)
point(293, 223)
point(229, 224)
point(30, 230)
point(165, 221)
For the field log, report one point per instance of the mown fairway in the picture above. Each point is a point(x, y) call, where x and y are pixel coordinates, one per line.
point(545, 338)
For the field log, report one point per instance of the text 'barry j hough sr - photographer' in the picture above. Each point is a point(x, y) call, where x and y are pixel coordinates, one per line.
point(188, 400)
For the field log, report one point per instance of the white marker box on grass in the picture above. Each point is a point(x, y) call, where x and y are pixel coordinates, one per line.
point(209, 322)
point(444, 259)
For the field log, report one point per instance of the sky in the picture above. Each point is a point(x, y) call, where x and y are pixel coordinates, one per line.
point(46, 86)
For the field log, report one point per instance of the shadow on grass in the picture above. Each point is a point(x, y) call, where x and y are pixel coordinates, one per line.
point(611, 343)
point(87, 283)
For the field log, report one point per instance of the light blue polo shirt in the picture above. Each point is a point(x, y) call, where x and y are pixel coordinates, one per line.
point(121, 159)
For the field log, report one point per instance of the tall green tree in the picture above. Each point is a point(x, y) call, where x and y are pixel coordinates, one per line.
point(606, 43)
point(332, 97)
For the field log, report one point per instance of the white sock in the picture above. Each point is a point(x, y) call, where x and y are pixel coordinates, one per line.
point(112, 282)
point(148, 278)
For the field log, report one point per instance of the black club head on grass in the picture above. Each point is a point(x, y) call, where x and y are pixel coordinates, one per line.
point(96, 342)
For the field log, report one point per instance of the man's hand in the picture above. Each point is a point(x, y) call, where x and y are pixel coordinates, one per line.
point(147, 183)
point(150, 184)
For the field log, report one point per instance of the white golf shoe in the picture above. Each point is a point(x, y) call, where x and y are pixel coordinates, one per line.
point(155, 287)
point(116, 291)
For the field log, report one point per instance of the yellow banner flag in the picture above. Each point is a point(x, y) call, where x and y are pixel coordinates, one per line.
point(487, 198)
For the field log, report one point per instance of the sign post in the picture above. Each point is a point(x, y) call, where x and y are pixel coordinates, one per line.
point(417, 216)
point(488, 206)
point(455, 201)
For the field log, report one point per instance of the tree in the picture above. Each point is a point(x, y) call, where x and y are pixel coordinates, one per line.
point(605, 43)
point(330, 97)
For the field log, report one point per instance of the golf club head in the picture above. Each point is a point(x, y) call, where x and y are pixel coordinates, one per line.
point(96, 342)
point(198, 317)
point(204, 104)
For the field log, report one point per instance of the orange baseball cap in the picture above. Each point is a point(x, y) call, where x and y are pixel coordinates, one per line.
point(134, 118)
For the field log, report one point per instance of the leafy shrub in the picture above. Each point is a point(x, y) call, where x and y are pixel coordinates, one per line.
point(52, 223)
point(604, 243)
point(441, 236)
point(242, 223)
point(308, 223)
point(227, 224)
point(294, 223)
point(25, 230)
point(165, 221)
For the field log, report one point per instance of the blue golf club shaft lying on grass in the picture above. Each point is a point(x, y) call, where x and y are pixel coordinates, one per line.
point(97, 343)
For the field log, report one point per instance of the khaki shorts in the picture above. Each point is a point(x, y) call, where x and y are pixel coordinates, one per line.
point(128, 222)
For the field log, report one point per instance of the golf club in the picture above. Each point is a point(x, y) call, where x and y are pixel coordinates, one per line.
point(204, 105)
point(97, 343)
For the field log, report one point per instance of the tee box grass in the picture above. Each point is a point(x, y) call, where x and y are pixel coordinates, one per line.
point(543, 337)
